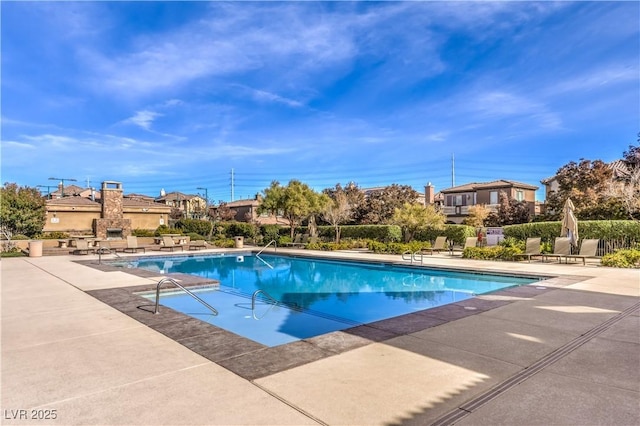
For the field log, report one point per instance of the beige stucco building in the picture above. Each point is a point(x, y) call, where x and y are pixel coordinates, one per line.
point(111, 216)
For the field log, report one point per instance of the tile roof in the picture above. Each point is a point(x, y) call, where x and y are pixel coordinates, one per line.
point(501, 183)
point(72, 201)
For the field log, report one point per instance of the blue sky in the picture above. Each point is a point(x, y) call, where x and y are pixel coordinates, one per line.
point(175, 95)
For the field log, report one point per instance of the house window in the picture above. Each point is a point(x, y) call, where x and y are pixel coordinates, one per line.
point(520, 195)
point(457, 200)
point(493, 197)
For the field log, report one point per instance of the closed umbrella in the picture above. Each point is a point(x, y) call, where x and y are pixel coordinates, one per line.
point(569, 223)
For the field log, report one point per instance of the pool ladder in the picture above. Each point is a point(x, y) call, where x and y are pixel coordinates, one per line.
point(174, 282)
point(413, 256)
point(253, 301)
point(275, 246)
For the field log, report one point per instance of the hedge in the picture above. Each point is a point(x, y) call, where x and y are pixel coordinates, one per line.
point(237, 229)
point(385, 233)
point(628, 230)
point(455, 233)
point(202, 227)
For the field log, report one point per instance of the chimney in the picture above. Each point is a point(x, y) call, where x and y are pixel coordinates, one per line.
point(429, 194)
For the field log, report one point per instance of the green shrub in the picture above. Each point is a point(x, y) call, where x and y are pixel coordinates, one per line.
point(12, 253)
point(512, 242)
point(455, 233)
point(395, 248)
point(270, 232)
point(224, 242)
point(20, 237)
point(384, 233)
point(625, 230)
point(164, 229)
point(198, 226)
point(142, 233)
point(54, 235)
point(622, 259)
point(237, 229)
point(195, 236)
point(491, 253)
point(328, 246)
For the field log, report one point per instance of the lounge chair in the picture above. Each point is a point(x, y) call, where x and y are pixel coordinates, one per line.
point(169, 244)
point(561, 248)
point(588, 250)
point(132, 245)
point(532, 249)
point(197, 245)
point(438, 246)
point(468, 242)
point(82, 247)
point(298, 241)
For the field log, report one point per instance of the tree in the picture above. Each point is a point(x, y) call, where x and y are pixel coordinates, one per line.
point(415, 217)
point(338, 210)
point(296, 201)
point(632, 156)
point(626, 194)
point(224, 212)
point(510, 212)
point(477, 216)
point(22, 210)
point(586, 183)
point(380, 205)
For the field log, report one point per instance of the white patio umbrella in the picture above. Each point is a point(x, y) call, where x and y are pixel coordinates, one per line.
point(569, 223)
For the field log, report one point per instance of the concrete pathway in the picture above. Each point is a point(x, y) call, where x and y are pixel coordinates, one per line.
point(566, 356)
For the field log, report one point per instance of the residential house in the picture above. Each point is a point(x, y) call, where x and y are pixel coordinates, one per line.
point(458, 199)
point(247, 211)
point(71, 191)
point(191, 206)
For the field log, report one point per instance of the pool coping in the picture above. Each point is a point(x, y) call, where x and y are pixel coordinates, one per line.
point(252, 360)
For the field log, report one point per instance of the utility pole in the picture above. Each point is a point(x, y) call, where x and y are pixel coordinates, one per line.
point(232, 185)
point(62, 181)
point(453, 170)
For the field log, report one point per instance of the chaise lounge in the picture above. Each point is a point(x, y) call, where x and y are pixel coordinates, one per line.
point(169, 244)
point(132, 245)
point(588, 250)
point(561, 248)
point(532, 249)
point(438, 246)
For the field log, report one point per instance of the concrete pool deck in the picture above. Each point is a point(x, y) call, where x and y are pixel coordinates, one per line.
point(567, 355)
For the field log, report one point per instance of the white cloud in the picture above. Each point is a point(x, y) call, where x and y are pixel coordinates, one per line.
point(497, 105)
point(17, 145)
point(265, 96)
point(143, 119)
point(602, 78)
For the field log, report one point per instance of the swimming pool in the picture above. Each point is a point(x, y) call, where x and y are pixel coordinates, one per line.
point(314, 296)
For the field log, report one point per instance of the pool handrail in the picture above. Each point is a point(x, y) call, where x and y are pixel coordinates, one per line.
point(174, 282)
point(275, 245)
point(413, 256)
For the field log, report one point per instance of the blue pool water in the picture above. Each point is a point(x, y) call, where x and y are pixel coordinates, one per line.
point(314, 296)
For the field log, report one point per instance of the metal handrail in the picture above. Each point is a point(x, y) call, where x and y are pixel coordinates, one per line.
point(410, 255)
point(264, 261)
point(105, 250)
point(275, 245)
point(253, 304)
point(415, 256)
point(174, 282)
point(255, 296)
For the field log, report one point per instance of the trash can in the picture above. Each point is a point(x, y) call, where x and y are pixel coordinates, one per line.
point(35, 248)
point(239, 242)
